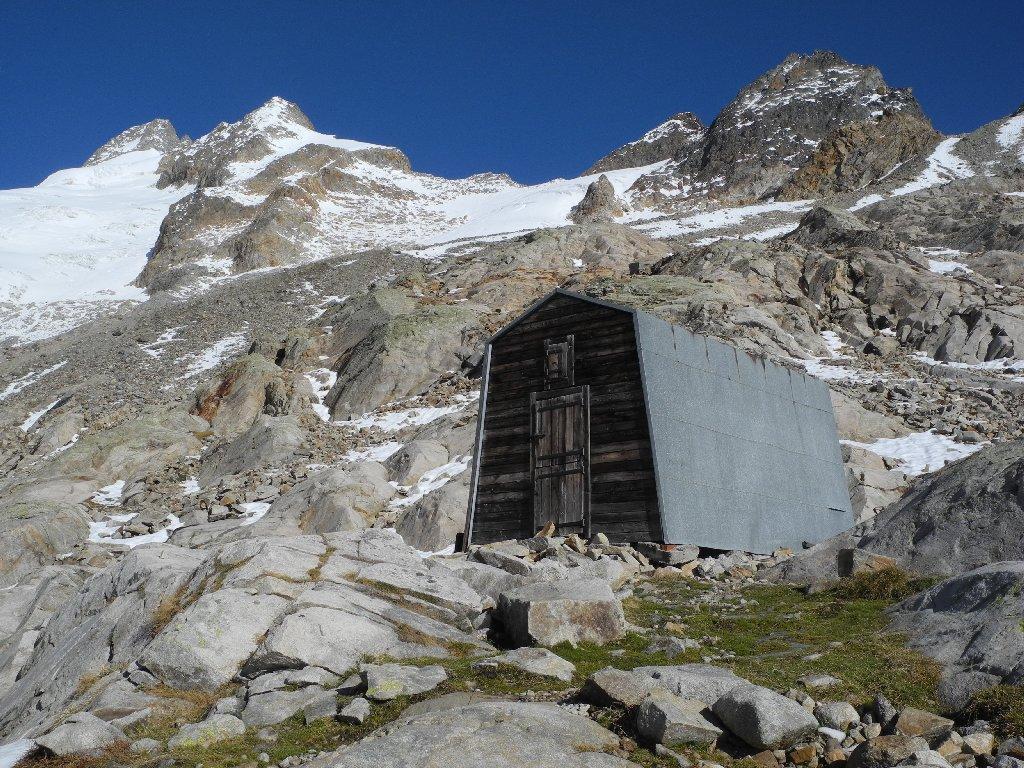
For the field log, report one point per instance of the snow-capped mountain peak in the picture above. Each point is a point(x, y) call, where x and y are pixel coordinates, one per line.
point(234, 152)
point(663, 142)
point(156, 134)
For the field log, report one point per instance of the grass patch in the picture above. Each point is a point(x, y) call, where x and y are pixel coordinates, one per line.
point(1003, 706)
point(890, 583)
point(769, 640)
point(90, 679)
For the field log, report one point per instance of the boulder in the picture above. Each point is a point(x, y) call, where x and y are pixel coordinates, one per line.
point(971, 625)
point(277, 706)
point(156, 438)
point(917, 722)
point(611, 687)
point(484, 733)
point(408, 464)
point(232, 401)
point(664, 718)
point(355, 712)
point(325, 637)
point(204, 646)
point(763, 718)
point(81, 733)
point(389, 681)
point(506, 561)
point(555, 612)
point(268, 441)
point(885, 751)
point(426, 579)
point(331, 500)
point(214, 729)
point(965, 516)
point(485, 579)
point(839, 715)
point(432, 523)
point(851, 561)
point(33, 533)
point(106, 622)
point(599, 203)
point(536, 661)
point(322, 706)
point(697, 682)
point(393, 346)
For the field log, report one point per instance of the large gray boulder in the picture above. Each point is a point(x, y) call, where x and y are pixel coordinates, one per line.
point(212, 730)
point(408, 464)
point(599, 203)
point(336, 626)
point(573, 612)
point(81, 733)
point(617, 687)
point(971, 624)
point(535, 661)
point(335, 499)
point(697, 682)
point(763, 718)
point(389, 681)
point(205, 645)
point(33, 533)
point(393, 345)
point(269, 440)
point(432, 523)
point(275, 707)
point(486, 734)
point(968, 514)
point(232, 401)
point(664, 718)
point(106, 623)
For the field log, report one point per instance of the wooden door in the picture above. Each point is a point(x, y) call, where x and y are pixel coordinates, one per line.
point(560, 459)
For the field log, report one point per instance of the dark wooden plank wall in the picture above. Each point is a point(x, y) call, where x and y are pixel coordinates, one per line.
point(623, 494)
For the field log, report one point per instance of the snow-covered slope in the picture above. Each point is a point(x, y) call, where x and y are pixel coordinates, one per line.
point(74, 243)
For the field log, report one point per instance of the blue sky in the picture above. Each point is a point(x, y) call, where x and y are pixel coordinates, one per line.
point(535, 89)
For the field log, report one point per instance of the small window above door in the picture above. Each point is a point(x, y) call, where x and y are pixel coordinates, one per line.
point(559, 362)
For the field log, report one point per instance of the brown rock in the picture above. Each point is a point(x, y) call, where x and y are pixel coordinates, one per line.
point(929, 726)
point(802, 754)
point(851, 562)
point(885, 751)
point(765, 759)
point(835, 757)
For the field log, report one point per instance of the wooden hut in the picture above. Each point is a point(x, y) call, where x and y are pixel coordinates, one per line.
point(601, 418)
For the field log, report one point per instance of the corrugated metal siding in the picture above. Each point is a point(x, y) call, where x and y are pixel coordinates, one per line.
point(746, 451)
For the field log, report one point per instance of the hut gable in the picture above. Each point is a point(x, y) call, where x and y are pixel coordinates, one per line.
point(600, 418)
point(528, 412)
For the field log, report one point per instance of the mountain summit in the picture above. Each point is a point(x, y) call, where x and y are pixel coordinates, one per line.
point(156, 134)
point(774, 125)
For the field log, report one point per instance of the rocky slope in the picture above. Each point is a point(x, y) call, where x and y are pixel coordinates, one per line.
point(237, 404)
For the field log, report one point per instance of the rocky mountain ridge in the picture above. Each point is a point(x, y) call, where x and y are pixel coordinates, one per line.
point(274, 437)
